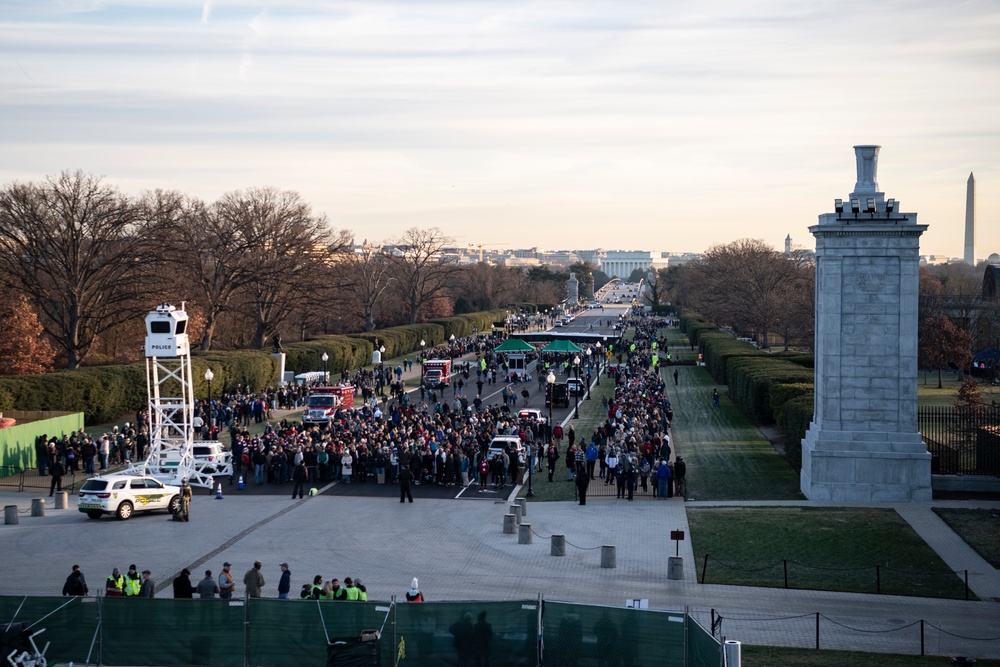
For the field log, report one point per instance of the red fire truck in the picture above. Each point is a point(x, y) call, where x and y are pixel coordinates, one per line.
point(322, 403)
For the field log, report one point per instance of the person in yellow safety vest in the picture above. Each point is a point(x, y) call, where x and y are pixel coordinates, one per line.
point(316, 593)
point(362, 591)
point(133, 582)
point(114, 586)
point(351, 594)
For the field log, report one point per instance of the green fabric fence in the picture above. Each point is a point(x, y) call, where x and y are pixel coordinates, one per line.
point(265, 632)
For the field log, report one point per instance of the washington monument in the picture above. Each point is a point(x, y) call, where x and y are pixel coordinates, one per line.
point(970, 221)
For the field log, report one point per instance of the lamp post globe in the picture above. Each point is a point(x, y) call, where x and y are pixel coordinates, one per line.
point(325, 358)
point(209, 376)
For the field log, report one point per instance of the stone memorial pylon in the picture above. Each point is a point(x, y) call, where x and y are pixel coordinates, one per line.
point(863, 444)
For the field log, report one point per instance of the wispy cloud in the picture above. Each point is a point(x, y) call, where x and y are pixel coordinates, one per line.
point(551, 119)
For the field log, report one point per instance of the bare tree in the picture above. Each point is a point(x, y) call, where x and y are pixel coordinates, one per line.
point(421, 272)
point(76, 248)
point(746, 284)
point(941, 344)
point(212, 248)
point(288, 250)
point(366, 275)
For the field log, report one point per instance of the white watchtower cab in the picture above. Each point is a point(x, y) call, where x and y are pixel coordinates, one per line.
point(171, 404)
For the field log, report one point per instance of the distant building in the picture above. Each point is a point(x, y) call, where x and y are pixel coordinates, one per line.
point(622, 263)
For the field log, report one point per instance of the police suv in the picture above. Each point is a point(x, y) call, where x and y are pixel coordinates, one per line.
point(123, 495)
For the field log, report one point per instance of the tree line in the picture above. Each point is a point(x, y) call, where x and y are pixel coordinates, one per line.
point(81, 263)
point(759, 292)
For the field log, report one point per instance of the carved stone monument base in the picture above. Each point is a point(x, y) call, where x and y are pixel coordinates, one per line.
point(855, 466)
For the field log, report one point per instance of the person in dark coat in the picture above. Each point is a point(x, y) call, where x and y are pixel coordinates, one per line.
point(182, 585)
point(76, 584)
point(582, 482)
point(299, 476)
point(405, 477)
point(57, 471)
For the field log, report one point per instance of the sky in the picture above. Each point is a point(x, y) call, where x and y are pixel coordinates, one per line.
point(661, 125)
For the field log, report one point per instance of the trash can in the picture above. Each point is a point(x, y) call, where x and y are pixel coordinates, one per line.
point(675, 568)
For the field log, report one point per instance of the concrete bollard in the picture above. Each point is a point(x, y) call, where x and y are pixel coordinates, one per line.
point(523, 502)
point(558, 545)
point(509, 524)
point(62, 500)
point(675, 568)
point(10, 515)
point(38, 507)
point(516, 511)
point(733, 650)
point(609, 557)
point(524, 533)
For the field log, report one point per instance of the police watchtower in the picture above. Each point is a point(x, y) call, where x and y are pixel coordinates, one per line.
point(170, 387)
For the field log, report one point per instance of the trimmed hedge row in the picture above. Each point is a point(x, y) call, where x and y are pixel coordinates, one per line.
point(105, 393)
point(754, 381)
point(793, 420)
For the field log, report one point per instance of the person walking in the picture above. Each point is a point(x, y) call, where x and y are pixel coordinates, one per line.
point(405, 477)
point(715, 398)
point(675, 378)
point(76, 583)
point(254, 580)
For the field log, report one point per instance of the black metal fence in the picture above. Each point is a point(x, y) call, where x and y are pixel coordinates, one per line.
point(962, 441)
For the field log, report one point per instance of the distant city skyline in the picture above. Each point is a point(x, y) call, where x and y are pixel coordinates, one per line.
point(666, 126)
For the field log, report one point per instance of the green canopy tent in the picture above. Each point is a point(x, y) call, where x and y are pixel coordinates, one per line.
point(514, 345)
point(564, 346)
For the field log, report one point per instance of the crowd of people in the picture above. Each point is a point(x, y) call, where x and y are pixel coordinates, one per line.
point(224, 586)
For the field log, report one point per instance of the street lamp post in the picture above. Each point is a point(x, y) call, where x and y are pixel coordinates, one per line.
point(599, 362)
point(209, 376)
point(576, 394)
point(590, 367)
point(551, 380)
point(326, 374)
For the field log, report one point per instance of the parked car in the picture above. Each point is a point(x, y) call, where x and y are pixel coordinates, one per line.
point(559, 395)
point(123, 495)
point(211, 452)
point(531, 414)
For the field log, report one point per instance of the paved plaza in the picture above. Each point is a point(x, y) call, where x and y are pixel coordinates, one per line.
point(458, 550)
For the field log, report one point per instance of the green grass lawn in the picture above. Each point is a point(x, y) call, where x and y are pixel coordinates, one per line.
point(980, 528)
point(834, 549)
point(727, 456)
point(768, 656)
